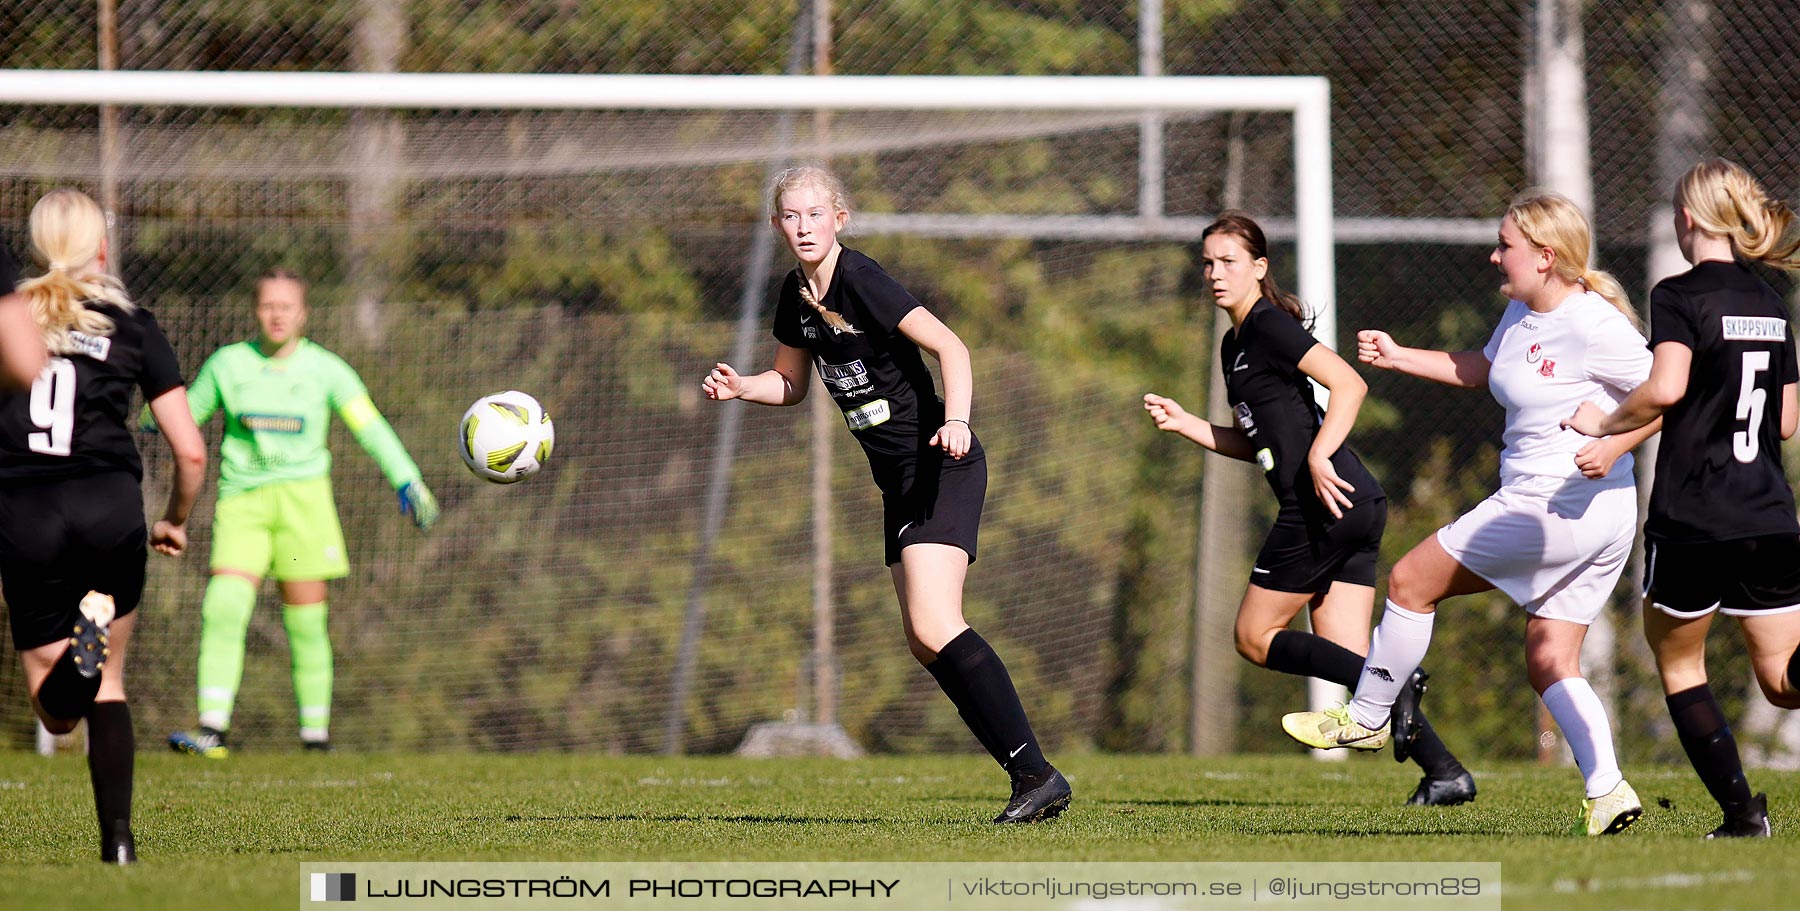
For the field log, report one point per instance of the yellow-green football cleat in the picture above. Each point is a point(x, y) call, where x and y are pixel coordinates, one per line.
point(1609, 814)
point(204, 742)
point(1333, 729)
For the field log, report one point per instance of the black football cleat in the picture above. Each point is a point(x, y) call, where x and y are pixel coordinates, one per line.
point(88, 642)
point(1403, 718)
point(315, 746)
point(118, 849)
point(1443, 792)
point(1036, 801)
point(1748, 821)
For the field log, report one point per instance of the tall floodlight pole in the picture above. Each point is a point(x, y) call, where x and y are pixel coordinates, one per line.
point(824, 421)
point(377, 138)
point(718, 482)
point(1218, 560)
point(1150, 126)
point(1557, 158)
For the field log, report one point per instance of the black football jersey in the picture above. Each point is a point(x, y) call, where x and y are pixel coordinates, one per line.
point(1272, 402)
point(1718, 468)
point(876, 375)
point(75, 420)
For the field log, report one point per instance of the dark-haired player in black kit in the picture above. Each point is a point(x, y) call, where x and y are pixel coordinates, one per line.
point(1322, 550)
point(1721, 533)
point(865, 332)
point(72, 536)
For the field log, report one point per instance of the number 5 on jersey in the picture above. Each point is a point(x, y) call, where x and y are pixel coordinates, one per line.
point(1750, 405)
point(53, 408)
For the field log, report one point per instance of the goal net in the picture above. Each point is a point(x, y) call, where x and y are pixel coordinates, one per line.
point(597, 242)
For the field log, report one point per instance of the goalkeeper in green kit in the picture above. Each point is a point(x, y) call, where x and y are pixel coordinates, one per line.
point(275, 514)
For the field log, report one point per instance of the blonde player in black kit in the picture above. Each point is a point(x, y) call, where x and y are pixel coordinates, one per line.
point(840, 310)
point(1721, 534)
point(1322, 550)
point(72, 535)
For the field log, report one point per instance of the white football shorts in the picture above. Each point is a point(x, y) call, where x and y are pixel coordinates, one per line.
point(1554, 545)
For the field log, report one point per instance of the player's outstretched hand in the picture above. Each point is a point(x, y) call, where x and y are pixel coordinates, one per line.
point(723, 384)
point(417, 504)
point(167, 538)
point(1165, 412)
point(954, 437)
point(1587, 420)
point(1328, 486)
point(1376, 348)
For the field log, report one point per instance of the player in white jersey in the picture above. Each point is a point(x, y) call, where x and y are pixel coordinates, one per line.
point(1557, 534)
point(1721, 536)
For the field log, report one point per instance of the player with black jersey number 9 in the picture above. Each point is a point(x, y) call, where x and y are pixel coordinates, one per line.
point(72, 535)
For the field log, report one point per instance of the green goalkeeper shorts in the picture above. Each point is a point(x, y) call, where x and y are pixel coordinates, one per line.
point(288, 530)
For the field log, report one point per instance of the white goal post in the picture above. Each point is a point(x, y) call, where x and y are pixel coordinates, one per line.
point(1306, 98)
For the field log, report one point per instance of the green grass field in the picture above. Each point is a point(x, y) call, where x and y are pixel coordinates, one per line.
point(231, 834)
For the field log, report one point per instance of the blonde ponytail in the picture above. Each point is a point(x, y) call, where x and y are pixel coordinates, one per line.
point(831, 318)
point(1725, 201)
point(1553, 221)
point(1603, 284)
point(68, 234)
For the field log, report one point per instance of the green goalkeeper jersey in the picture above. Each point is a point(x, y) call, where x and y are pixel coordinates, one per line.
point(277, 412)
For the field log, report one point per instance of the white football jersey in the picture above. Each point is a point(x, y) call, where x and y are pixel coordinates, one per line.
point(1547, 364)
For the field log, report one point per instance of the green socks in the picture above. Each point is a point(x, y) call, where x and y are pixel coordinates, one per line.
point(311, 650)
point(224, 623)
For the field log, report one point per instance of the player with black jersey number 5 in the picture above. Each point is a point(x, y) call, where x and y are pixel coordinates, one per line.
point(72, 535)
point(1721, 536)
point(838, 309)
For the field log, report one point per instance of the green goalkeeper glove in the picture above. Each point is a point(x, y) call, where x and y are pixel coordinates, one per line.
point(417, 504)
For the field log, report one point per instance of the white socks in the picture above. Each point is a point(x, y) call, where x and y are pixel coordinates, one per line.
point(1582, 717)
point(1398, 645)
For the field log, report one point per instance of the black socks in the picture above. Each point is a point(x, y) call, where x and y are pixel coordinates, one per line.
point(112, 750)
point(1310, 655)
point(1793, 668)
point(948, 680)
point(1709, 745)
point(65, 693)
point(976, 681)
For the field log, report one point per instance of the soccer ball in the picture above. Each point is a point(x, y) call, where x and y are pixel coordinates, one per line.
point(506, 437)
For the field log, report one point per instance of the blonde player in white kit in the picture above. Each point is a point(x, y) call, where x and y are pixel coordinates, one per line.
point(1557, 534)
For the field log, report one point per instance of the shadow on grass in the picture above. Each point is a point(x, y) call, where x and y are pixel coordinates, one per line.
point(679, 817)
point(1344, 832)
point(1199, 802)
